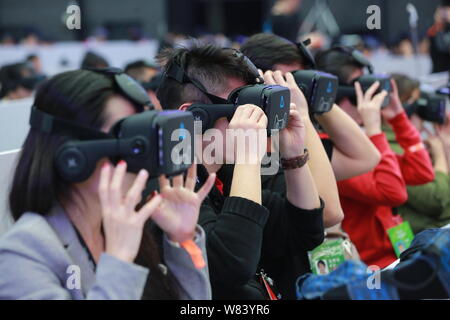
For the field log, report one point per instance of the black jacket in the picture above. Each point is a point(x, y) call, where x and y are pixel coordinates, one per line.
point(244, 237)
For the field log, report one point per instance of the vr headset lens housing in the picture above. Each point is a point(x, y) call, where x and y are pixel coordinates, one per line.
point(320, 89)
point(429, 107)
point(147, 140)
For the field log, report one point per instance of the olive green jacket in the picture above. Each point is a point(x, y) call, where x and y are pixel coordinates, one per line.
point(428, 205)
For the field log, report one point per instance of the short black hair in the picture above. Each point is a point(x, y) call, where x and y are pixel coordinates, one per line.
point(266, 50)
point(321, 262)
point(93, 60)
point(31, 57)
point(338, 61)
point(136, 69)
point(11, 76)
point(210, 65)
point(406, 86)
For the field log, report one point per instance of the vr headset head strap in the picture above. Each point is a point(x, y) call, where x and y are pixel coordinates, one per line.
point(47, 123)
point(310, 62)
point(357, 56)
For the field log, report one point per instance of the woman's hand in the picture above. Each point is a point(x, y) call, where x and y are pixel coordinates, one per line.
point(177, 215)
point(122, 224)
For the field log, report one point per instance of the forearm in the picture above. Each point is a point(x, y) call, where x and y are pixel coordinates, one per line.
point(447, 155)
point(323, 176)
point(301, 190)
point(440, 162)
point(349, 139)
point(247, 182)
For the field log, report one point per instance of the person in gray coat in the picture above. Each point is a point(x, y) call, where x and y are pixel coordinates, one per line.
point(91, 239)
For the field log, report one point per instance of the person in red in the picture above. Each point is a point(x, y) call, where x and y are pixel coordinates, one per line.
point(369, 200)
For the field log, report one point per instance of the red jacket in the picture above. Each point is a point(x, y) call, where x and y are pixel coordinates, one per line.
point(367, 200)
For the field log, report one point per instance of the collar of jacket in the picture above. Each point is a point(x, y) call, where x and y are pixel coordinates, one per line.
point(65, 230)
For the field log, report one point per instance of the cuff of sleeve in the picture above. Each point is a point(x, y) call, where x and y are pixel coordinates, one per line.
point(128, 279)
point(247, 209)
point(307, 220)
point(398, 119)
point(380, 141)
point(296, 210)
point(199, 238)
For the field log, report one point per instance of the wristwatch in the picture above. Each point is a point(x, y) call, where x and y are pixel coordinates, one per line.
point(295, 163)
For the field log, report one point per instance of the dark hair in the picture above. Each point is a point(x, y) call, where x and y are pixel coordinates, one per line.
point(337, 62)
point(210, 65)
point(31, 57)
point(321, 262)
point(266, 50)
point(137, 69)
point(78, 96)
point(11, 76)
point(93, 60)
point(405, 85)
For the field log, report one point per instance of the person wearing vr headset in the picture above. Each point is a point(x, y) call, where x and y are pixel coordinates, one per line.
point(369, 200)
point(148, 75)
point(428, 205)
point(82, 230)
point(349, 150)
point(250, 231)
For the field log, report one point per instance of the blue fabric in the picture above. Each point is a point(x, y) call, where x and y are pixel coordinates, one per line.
point(431, 245)
point(312, 286)
point(422, 240)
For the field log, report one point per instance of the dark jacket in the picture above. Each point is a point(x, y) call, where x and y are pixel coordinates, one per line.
point(244, 237)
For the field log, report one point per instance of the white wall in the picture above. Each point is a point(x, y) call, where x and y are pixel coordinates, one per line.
point(14, 116)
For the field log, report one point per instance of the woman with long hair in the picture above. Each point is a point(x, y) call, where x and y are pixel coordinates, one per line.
point(91, 239)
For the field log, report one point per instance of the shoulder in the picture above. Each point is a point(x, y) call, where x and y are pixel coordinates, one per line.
point(32, 237)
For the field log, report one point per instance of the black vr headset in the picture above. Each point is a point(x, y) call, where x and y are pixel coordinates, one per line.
point(274, 100)
point(429, 107)
point(366, 80)
point(319, 88)
point(151, 140)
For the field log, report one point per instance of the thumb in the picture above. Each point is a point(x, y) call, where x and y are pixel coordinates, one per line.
point(149, 208)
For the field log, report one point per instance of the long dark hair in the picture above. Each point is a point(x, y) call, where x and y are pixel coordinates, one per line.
point(79, 96)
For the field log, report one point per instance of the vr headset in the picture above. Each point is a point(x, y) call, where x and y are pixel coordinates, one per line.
point(146, 140)
point(320, 88)
point(429, 107)
point(366, 80)
point(273, 100)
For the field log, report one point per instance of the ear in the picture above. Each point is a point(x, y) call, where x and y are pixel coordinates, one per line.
point(184, 106)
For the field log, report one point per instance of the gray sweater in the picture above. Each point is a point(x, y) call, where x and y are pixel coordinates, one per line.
point(42, 258)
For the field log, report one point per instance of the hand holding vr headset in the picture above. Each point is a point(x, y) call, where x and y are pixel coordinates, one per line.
point(369, 105)
point(395, 106)
point(292, 138)
point(248, 117)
